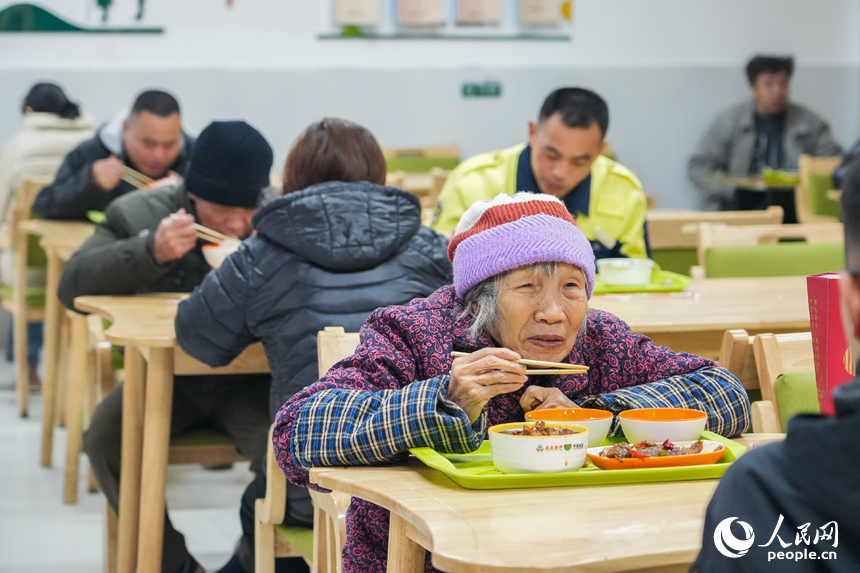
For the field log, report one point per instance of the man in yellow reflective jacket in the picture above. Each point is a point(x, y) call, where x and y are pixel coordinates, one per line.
point(562, 158)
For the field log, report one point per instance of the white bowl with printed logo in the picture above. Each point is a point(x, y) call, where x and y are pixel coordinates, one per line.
point(625, 271)
point(513, 454)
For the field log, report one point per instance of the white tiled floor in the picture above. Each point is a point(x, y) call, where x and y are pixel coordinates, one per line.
point(39, 533)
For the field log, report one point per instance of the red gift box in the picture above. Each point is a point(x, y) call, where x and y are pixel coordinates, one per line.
point(834, 364)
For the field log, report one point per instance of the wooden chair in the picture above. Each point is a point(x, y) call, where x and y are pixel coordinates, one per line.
point(272, 539)
point(29, 305)
point(770, 250)
point(674, 235)
point(421, 159)
point(737, 356)
point(777, 355)
point(804, 203)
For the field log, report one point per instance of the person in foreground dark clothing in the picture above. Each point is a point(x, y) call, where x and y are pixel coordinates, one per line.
point(149, 140)
point(800, 496)
point(147, 244)
point(337, 246)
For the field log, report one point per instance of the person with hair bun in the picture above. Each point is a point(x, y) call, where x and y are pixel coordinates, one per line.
point(52, 126)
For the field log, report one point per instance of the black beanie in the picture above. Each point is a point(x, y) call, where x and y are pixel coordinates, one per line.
point(230, 164)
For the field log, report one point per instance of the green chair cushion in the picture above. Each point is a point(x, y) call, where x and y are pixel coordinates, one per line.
point(676, 260)
point(36, 256)
point(796, 393)
point(754, 394)
point(417, 164)
point(774, 260)
point(201, 437)
point(301, 538)
point(819, 202)
point(35, 295)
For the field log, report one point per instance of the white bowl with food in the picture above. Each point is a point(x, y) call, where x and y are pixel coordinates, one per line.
point(625, 271)
point(216, 254)
point(538, 447)
point(660, 424)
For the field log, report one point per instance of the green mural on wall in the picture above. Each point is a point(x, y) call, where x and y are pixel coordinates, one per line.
point(32, 18)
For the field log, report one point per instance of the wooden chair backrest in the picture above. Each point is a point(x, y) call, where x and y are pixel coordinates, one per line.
point(736, 356)
point(777, 354)
point(722, 235)
point(452, 150)
point(810, 165)
point(24, 199)
point(333, 345)
point(680, 229)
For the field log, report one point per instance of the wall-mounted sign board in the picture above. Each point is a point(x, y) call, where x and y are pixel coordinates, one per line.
point(479, 11)
point(421, 12)
point(356, 12)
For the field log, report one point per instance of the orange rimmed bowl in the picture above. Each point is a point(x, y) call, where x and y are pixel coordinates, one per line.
point(660, 424)
point(215, 255)
point(597, 421)
point(514, 454)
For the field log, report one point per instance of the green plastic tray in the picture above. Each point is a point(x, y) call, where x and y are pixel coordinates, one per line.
point(476, 470)
point(661, 281)
point(96, 216)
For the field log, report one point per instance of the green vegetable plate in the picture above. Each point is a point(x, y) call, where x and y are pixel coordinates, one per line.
point(96, 216)
point(661, 281)
point(476, 470)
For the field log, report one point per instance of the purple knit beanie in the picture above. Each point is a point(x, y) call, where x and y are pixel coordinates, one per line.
point(512, 231)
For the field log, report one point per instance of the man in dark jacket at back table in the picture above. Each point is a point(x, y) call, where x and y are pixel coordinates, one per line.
point(792, 506)
point(149, 140)
point(148, 243)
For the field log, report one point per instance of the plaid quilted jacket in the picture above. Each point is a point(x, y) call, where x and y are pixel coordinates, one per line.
point(391, 395)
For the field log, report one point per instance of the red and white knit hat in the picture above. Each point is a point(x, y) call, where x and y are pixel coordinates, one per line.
point(512, 231)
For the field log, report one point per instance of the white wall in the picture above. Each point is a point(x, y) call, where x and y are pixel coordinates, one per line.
point(665, 66)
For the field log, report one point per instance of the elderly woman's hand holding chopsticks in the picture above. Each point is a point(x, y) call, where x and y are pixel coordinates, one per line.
point(482, 375)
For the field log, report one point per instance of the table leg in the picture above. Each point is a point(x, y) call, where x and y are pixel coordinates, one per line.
point(156, 445)
point(404, 555)
point(22, 375)
point(53, 321)
point(79, 370)
point(130, 468)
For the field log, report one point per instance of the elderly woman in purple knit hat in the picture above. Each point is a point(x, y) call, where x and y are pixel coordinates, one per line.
point(523, 275)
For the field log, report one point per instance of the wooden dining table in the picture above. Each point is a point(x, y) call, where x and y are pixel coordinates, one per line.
point(144, 325)
point(695, 320)
point(641, 527)
point(59, 239)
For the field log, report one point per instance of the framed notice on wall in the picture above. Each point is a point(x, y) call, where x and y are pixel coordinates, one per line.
point(479, 11)
point(421, 12)
point(356, 12)
point(540, 11)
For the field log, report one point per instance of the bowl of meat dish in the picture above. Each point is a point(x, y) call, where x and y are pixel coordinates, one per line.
point(216, 254)
point(538, 447)
point(660, 424)
point(656, 454)
point(598, 422)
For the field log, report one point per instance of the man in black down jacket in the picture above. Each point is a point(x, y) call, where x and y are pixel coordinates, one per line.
point(148, 244)
point(327, 255)
point(149, 140)
point(793, 506)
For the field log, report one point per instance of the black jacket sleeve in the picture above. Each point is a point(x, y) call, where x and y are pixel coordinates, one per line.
point(211, 324)
point(842, 170)
point(73, 192)
point(111, 262)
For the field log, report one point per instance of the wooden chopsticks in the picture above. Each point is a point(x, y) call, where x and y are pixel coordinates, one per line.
point(208, 234)
point(136, 178)
point(553, 367)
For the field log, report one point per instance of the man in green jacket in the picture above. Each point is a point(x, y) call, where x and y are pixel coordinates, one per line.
point(147, 243)
point(563, 158)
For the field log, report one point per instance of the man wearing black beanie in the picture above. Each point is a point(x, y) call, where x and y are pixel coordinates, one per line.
point(147, 243)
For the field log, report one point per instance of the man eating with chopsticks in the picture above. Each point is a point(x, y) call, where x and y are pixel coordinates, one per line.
point(129, 152)
point(149, 243)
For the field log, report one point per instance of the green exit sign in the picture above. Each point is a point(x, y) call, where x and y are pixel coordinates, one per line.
point(485, 89)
